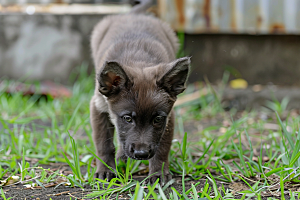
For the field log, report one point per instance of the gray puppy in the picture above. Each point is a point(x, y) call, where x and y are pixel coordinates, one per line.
point(137, 82)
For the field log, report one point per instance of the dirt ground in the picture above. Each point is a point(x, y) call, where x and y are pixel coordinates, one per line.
point(62, 192)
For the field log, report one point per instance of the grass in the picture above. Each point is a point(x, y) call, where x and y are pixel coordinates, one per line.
point(237, 149)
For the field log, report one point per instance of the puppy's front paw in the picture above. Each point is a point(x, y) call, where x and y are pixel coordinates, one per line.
point(163, 178)
point(104, 174)
point(121, 156)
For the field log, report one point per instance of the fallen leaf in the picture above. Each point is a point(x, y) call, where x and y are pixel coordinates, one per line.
point(257, 88)
point(250, 121)
point(254, 159)
point(9, 181)
point(237, 187)
point(270, 126)
point(61, 180)
point(3, 182)
point(238, 84)
point(67, 172)
point(226, 123)
point(30, 185)
point(265, 158)
point(223, 130)
point(44, 88)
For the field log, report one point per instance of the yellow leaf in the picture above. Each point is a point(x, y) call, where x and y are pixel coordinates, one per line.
point(238, 84)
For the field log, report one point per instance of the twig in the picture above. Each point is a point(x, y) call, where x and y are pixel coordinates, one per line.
point(190, 97)
point(22, 182)
point(74, 196)
point(248, 179)
point(58, 194)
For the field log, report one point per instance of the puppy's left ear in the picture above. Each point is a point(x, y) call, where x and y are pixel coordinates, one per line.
point(173, 81)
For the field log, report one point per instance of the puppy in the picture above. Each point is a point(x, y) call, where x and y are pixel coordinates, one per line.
point(137, 82)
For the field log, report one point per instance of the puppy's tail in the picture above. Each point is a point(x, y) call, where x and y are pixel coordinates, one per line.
point(141, 6)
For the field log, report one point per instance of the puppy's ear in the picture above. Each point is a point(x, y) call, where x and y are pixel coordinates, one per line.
point(173, 81)
point(112, 79)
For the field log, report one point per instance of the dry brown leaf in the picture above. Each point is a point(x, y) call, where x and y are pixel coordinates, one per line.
point(9, 181)
point(222, 130)
point(68, 172)
point(271, 126)
point(257, 88)
point(238, 187)
point(255, 159)
point(226, 123)
point(61, 180)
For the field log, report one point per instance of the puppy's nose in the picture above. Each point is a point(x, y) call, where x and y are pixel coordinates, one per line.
point(140, 151)
point(142, 154)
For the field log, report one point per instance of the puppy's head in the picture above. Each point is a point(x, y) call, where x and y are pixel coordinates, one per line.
point(140, 101)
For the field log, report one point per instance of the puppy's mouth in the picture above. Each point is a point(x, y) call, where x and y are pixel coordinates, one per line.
point(135, 158)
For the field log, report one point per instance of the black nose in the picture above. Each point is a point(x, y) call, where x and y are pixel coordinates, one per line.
point(142, 154)
point(140, 151)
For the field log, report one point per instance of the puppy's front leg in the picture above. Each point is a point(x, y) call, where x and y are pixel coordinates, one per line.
point(103, 133)
point(162, 155)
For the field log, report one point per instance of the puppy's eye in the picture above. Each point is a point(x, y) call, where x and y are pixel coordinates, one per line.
point(158, 119)
point(127, 118)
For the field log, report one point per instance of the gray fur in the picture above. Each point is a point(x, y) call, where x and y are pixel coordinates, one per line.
point(137, 81)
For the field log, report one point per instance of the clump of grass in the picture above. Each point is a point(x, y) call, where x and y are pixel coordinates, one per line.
point(3, 195)
point(279, 107)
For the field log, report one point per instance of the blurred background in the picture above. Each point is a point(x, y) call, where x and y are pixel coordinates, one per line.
point(255, 41)
point(239, 117)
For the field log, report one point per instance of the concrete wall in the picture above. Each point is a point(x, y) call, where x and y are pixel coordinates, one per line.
point(48, 46)
point(258, 59)
point(43, 47)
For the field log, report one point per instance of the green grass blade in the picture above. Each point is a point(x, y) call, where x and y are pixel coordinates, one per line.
point(161, 193)
point(286, 134)
point(73, 116)
point(205, 151)
point(151, 189)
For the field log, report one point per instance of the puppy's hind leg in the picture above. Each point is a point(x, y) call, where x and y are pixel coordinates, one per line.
point(103, 133)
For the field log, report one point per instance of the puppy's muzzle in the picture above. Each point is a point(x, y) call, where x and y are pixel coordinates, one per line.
point(141, 151)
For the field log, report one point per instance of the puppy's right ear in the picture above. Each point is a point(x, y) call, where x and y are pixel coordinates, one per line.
point(112, 79)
